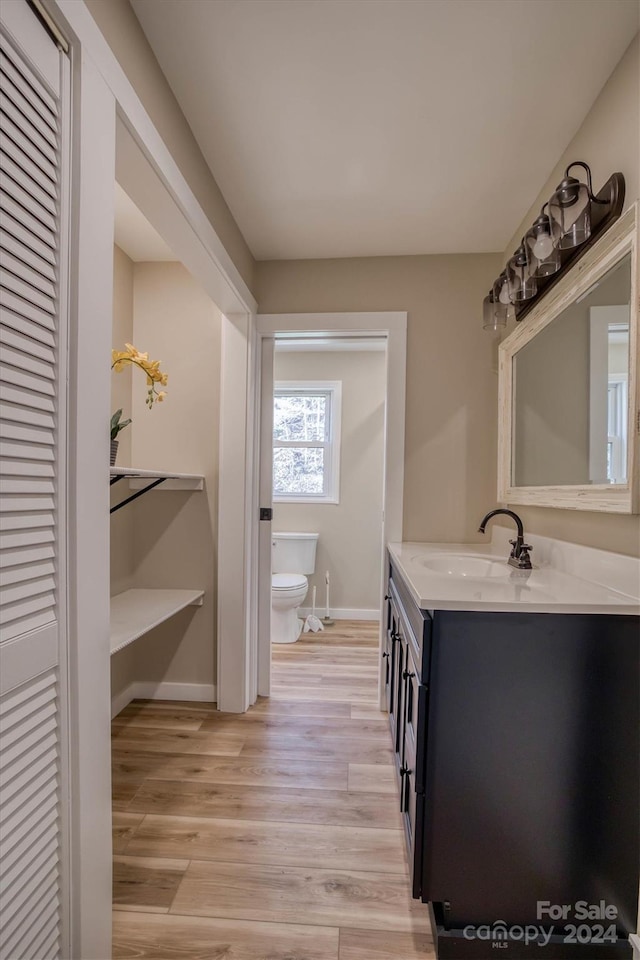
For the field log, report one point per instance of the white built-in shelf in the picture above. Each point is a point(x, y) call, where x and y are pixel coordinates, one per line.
point(171, 481)
point(135, 612)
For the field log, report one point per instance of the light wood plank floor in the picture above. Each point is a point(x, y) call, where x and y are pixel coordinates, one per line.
point(274, 835)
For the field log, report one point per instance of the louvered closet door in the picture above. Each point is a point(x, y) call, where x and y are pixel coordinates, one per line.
point(33, 267)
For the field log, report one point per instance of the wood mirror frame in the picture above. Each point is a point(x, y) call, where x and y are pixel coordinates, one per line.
point(619, 241)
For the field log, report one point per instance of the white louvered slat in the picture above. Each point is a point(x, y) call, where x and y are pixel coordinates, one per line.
point(22, 468)
point(25, 432)
point(14, 227)
point(43, 859)
point(22, 573)
point(24, 361)
point(13, 267)
point(29, 86)
point(23, 943)
point(20, 194)
point(26, 521)
point(13, 412)
point(22, 784)
point(47, 947)
point(25, 451)
point(17, 340)
point(46, 800)
point(26, 851)
point(14, 708)
point(13, 504)
point(34, 187)
point(14, 396)
point(11, 558)
point(13, 302)
point(21, 287)
point(30, 837)
point(31, 118)
point(33, 257)
point(27, 538)
point(21, 736)
point(47, 924)
point(32, 893)
point(33, 226)
point(30, 261)
point(23, 77)
point(17, 377)
point(26, 780)
point(35, 158)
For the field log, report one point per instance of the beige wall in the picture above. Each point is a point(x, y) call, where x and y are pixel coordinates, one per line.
point(175, 532)
point(608, 140)
point(350, 532)
point(167, 538)
point(450, 437)
point(125, 36)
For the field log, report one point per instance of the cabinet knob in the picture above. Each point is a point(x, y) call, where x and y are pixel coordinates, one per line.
point(407, 674)
point(405, 772)
point(387, 596)
point(385, 654)
point(395, 636)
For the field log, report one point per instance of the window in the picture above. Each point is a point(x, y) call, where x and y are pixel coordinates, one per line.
point(306, 441)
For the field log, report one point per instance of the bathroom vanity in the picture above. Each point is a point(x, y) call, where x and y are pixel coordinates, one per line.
point(514, 705)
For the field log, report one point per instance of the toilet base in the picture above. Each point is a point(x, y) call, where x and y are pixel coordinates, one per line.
point(286, 626)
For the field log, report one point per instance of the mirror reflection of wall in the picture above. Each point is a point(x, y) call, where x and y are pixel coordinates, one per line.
point(571, 391)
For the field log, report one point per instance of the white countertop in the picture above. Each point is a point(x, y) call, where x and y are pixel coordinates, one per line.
point(566, 578)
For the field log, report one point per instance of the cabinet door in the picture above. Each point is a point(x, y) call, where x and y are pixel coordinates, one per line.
point(411, 799)
point(395, 674)
point(33, 638)
point(386, 657)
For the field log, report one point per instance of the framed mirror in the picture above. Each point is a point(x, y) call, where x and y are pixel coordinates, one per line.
point(568, 386)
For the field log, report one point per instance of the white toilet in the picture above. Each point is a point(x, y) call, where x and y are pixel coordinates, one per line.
point(292, 556)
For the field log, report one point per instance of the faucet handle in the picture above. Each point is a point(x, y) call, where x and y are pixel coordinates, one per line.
point(522, 560)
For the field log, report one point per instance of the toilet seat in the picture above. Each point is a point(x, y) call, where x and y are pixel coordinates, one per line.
point(288, 581)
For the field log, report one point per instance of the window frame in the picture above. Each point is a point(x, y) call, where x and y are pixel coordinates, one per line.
point(332, 389)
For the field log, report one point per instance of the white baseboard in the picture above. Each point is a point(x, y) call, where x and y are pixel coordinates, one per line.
point(342, 613)
point(152, 690)
point(635, 943)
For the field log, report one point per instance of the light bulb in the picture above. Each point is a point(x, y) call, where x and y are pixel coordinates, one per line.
point(543, 247)
point(504, 293)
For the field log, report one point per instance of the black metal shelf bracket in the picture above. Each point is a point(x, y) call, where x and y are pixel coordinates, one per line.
point(139, 493)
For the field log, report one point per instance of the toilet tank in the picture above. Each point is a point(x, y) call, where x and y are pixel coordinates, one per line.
point(293, 552)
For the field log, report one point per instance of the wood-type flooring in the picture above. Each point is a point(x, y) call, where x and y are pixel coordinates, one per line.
point(274, 835)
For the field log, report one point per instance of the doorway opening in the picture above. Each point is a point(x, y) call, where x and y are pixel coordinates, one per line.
point(330, 462)
point(329, 398)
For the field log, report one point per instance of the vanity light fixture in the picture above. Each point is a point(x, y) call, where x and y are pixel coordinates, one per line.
point(521, 281)
point(494, 313)
point(570, 209)
point(539, 240)
point(568, 224)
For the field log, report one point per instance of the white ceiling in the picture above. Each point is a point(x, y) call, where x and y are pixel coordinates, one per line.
point(134, 234)
point(340, 128)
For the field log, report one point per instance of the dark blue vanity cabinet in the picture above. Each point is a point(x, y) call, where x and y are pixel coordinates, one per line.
point(517, 743)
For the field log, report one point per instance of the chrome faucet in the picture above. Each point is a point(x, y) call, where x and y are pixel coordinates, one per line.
point(519, 556)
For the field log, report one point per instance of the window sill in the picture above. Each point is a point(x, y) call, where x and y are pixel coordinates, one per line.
point(286, 499)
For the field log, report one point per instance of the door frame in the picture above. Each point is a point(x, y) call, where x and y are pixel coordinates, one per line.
point(393, 327)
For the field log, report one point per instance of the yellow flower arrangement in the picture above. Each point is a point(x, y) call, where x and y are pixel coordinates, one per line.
point(150, 367)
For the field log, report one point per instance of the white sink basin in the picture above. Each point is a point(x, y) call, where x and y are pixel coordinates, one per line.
point(466, 565)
